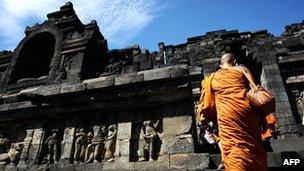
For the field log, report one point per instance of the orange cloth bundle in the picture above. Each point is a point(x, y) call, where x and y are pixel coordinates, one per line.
point(270, 125)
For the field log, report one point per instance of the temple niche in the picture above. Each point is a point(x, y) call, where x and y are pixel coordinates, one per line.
point(70, 103)
point(34, 64)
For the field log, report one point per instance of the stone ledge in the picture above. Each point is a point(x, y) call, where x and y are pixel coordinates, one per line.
point(72, 88)
point(101, 82)
point(16, 106)
point(188, 161)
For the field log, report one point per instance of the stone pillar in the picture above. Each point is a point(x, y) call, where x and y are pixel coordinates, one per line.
point(25, 151)
point(36, 146)
point(68, 139)
point(177, 123)
point(271, 79)
point(124, 129)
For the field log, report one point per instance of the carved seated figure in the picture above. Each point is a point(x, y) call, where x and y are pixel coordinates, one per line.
point(97, 144)
point(52, 146)
point(110, 143)
point(13, 155)
point(150, 136)
point(80, 145)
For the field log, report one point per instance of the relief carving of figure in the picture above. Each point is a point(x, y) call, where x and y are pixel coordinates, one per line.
point(52, 143)
point(13, 155)
point(110, 143)
point(89, 154)
point(80, 145)
point(151, 139)
point(97, 143)
point(300, 101)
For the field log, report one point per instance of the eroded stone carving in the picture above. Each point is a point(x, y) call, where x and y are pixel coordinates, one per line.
point(300, 101)
point(151, 139)
point(13, 155)
point(110, 143)
point(52, 144)
point(80, 145)
point(96, 145)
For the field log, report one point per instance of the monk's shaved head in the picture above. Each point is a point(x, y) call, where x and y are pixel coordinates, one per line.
point(228, 58)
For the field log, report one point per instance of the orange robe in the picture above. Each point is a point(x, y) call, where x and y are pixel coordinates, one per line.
point(239, 127)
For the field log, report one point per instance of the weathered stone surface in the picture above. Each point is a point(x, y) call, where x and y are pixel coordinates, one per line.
point(29, 92)
point(189, 161)
point(100, 82)
point(154, 74)
point(184, 125)
point(122, 147)
point(120, 163)
point(10, 98)
point(179, 71)
point(162, 163)
point(67, 144)
point(48, 90)
point(36, 146)
point(72, 88)
point(125, 78)
point(78, 76)
point(178, 144)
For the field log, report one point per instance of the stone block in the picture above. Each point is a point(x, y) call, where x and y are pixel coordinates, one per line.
point(100, 82)
point(49, 90)
point(35, 146)
point(88, 81)
point(162, 163)
point(155, 74)
point(72, 88)
point(68, 139)
point(138, 78)
point(179, 71)
point(189, 161)
point(87, 166)
point(29, 92)
point(287, 144)
point(125, 78)
point(124, 130)
point(178, 144)
point(176, 125)
point(120, 163)
point(122, 148)
point(10, 98)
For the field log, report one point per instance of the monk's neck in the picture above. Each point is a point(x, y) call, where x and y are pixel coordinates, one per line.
point(227, 66)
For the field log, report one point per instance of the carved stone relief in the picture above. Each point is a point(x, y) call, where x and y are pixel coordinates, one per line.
point(151, 141)
point(52, 144)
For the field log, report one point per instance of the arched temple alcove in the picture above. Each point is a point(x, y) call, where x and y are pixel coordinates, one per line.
point(35, 57)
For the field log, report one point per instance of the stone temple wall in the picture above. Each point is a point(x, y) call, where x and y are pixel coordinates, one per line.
point(69, 103)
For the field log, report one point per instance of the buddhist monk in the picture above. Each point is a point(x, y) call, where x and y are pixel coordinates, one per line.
point(238, 123)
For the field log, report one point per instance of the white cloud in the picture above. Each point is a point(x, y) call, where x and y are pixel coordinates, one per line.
point(119, 20)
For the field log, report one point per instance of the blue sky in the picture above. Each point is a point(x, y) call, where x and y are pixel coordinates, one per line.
point(147, 22)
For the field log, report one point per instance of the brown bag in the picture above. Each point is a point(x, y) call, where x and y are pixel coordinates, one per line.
point(260, 98)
